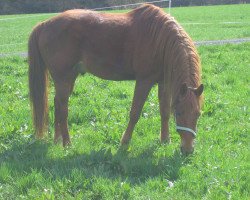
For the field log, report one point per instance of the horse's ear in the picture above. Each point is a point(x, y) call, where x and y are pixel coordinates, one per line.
point(183, 90)
point(198, 91)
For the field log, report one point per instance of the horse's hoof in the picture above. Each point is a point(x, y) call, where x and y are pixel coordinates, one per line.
point(165, 140)
point(57, 140)
point(66, 143)
point(125, 140)
point(123, 147)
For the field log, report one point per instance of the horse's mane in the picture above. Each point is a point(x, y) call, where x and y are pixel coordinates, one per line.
point(170, 44)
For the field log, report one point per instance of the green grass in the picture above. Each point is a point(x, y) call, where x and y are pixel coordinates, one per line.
point(214, 16)
point(15, 32)
point(94, 167)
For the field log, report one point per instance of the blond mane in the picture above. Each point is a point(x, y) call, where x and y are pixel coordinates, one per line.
point(170, 46)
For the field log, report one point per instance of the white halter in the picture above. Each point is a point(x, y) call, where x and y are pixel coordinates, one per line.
point(186, 129)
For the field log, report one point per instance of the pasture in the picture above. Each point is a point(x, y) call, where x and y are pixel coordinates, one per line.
point(95, 167)
point(202, 23)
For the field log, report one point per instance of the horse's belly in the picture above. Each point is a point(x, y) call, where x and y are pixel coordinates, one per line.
point(109, 74)
point(104, 71)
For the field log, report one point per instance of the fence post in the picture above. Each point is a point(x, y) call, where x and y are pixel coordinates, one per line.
point(169, 5)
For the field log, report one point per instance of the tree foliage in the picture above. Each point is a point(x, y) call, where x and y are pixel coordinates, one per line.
point(44, 6)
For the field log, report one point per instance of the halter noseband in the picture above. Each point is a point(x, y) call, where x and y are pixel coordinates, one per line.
point(181, 128)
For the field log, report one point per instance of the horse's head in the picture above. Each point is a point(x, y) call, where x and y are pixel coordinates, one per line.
point(187, 111)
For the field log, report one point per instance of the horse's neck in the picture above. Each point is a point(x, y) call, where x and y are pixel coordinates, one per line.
point(180, 75)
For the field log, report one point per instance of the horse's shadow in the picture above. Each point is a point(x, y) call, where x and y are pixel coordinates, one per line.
point(29, 156)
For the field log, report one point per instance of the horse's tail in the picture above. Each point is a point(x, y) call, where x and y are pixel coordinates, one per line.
point(38, 82)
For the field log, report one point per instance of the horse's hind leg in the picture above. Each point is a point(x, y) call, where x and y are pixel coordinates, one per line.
point(64, 87)
point(165, 112)
point(142, 89)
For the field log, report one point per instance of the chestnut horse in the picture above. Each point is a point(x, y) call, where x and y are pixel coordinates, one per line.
point(146, 45)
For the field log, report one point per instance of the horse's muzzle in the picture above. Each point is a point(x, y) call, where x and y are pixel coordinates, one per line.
point(187, 151)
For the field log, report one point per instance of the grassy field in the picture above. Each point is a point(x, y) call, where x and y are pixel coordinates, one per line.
point(94, 167)
point(202, 23)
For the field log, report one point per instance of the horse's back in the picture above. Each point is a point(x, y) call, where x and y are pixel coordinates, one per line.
point(99, 40)
point(86, 25)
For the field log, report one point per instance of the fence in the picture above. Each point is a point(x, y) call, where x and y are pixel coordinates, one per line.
point(134, 5)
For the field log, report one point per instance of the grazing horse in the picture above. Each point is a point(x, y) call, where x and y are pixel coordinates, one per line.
point(146, 45)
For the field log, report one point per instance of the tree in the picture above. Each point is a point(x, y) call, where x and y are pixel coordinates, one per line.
point(43, 6)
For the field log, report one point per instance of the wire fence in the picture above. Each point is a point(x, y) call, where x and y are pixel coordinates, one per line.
point(132, 5)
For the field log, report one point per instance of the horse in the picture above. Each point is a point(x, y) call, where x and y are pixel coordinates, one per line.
point(146, 45)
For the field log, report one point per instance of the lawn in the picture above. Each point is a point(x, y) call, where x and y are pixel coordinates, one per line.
point(202, 23)
point(95, 167)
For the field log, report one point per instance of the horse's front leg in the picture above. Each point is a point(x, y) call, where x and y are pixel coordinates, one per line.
point(142, 89)
point(164, 102)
